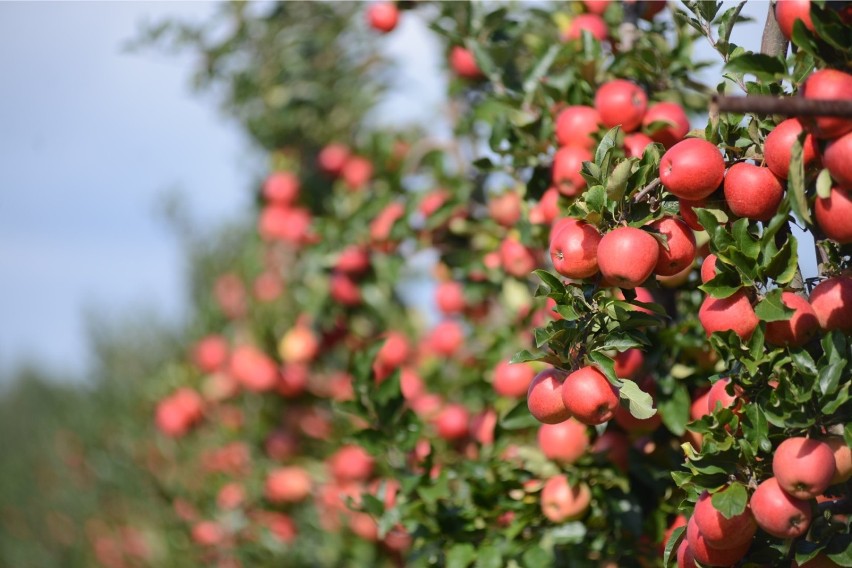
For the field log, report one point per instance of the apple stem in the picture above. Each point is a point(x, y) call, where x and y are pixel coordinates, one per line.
point(787, 106)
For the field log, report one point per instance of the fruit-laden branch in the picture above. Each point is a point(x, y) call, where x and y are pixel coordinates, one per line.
point(787, 106)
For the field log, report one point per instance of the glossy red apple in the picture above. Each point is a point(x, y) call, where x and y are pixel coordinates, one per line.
point(799, 329)
point(708, 555)
point(685, 558)
point(210, 353)
point(505, 208)
point(446, 338)
point(803, 467)
point(752, 191)
point(718, 395)
point(383, 16)
point(449, 296)
point(836, 158)
point(833, 85)
point(464, 64)
point(516, 259)
point(628, 363)
point(624, 243)
point(564, 442)
point(732, 313)
point(833, 215)
point(687, 212)
point(544, 397)
point(779, 514)
point(788, 11)
point(721, 532)
point(452, 422)
point(591, 23)
point(778, 144)
point(281, 188)
point(567, 163)
point(635, 144)
point(621, 103)
point(351, 463)
point(589, 396)
point(332, 158)
point(512, 379)
point(356, 172)
point(574, 248)
point(288, 484)
point(692, 169)
point(577, 126)
point(831, 300)
point(708, 268)
point(671, 113)
point(680, 253)
point(560, 502)
point(253, 369)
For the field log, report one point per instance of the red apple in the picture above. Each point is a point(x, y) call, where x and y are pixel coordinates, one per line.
point(230, 496)
point(752, 191)
point(708, 555)
point(574, 248)
point(410, 384)
point(831, 300)
point(288, 224)
point(833, 215)
point(567, 163)
point(624, 243)
point(357, 172)
point(681, 246)
point(394, 351)
point(687, 212)
point(591, 23)
point(299, 345)
point(293, 379)
point(353, 260)
point(206, 533)
point(564, 442)
point(719, 531)
point(351, 463)
point(596, 6)
point(253, 369)
point(828, 84)
point(692, 169)
point(482, 427)
point(718, 393)
point(797, 330)
point(628, 363)
point(547, 207)
point(268, 286)
point(517, 260)
point(779, 514)
point(464, 64)
point(803, 467)
point(685, 558)
point(446, 338)
point(621, 102)
point(210, 353)
point(560, 502)
point(433, 201)
point(383, 16)
point(677, 127)
point(708, 268)
point(615, 446)
point(383, 224)
point(288, 484)
point(512, 379)
point(505, 208)
point(776, 147)
point(450, 297)
point(577, 126)
point(635, 144)
point(589, 396)
point(344, 290)
point(332, 158)
point(281, 188)
point(788, 11)
point(836, 158)
point(452, 422)
point(732, 313)
point(842, 459)
point(544, 397)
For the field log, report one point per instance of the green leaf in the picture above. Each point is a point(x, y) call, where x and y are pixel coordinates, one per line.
point(518, 418)
point(617, 182)
point(829, 376)
point(461, 555)
point(762, 66)
point(607, 366)
point(533, 80)
point(639, 403)
point(823, 184)
point(669, 555)
point(746, 242)
point(606, 145)
point(595, 198)
point(731, 501)
point(796, 182)
point(675, 409)
point(772, 308)
point(550, 280)
point(488, 557)
point(783, 265)
point(756, 428)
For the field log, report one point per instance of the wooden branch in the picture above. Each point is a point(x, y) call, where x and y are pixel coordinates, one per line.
point(646, 190)
point(787, 106)
point(773, 42)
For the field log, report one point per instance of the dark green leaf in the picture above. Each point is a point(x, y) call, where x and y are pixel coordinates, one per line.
point(762, 66)
point(550, 280)
point(771, 308)
point(461, 555)
point(829, 376)
point(796, 182)
point(731, 501)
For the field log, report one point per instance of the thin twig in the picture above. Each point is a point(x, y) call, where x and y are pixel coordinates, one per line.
point(646, 190)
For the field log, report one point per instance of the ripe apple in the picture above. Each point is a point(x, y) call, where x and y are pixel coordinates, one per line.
point(596, 6)
point(803, 467)
point(797, 330)
point(679, 521)
point(624, 243)
point(207, 533)
point(299, 345)
point(344, 290)
point(210, 353)
point(464, 64)
point(842, 459)
point(547, 207)
point(708, 555)
point(615, 446)
point(828, 84)
point(591, 23)
point(718, 393)
point(482, 426)
point(280, 526)
point(351, 463)
point(293, 379)
point(512, 379)
point(353, 260)
point(288, 224)
point(673, 132)
point(544, 397)
point(281, 188)
point(230, 496)
point(752, 191)
point(589, 396)
point(720, 532)
point(446, 338)
point(836, 159)
point(776, 147)
point(779, 514)
point(621, 102)
point(505, 209)
point(288, 484)
point(394, 351)
point(681, 246)
point(564, 442)
point(732, 313)
point(831, 300)
point(268, 286)
point(833, 215)
point(788, 11)
point(253, 369)
point(567, 163)
point(685, 558)
point(433, 201)
point(450, 297)
point(635, 144)
point(560, 502)
point(577, 126)
point(708, 268)
point(692, 169)
point(574, 248)
point(332, 158)
point(357, 172)
point(517, 260)
point(628, 363)
point(687, 212)
point(383, 16)
point(452, 422)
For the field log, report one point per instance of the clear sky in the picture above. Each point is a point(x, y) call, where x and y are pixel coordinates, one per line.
point(92, 138)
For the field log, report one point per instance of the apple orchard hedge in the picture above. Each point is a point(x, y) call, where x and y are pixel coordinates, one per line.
point(627, 368)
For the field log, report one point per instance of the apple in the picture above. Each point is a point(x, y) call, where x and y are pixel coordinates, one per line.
point(353, 260)
point(589, 396)
point(685, 558)
point(206, 533)
point(382, 225)
point(280, 526)
point(708, 268)
point(842, 459)
point(788, 11)
point(517, 260)
point(351, 463)
point(833, 215)
point(268, 286)
point(803, 467)
point(835, 157)
point(679, 521)
point(635, 144)
point(547, 208)
point(446, 338)
point(299, 345)
point(577, 126)
point(433, 201)
point(752, 191)
point(175, 414)
point(671, 133)
point(687, 212)
point(732, 313)
point(230, 496)
point(778, 144)
point(253, 369)
point(512, 379)
point(591, 23)
point(779, 514)
point(831, 300)
point(625, 243)
point(706, 554)
point(596, 6)
point(564, 442)
point(692, 169)
point(799, 329)
point(281, 188)
point(544, 397)
point(828, 84)
point(288, 224)
point(344, 290)
point(505, 209)
point(482, 426)
point(210, 353)
point(288, 484)
point(356, 172)
point(452, 422)
point(394, 351)
point(574, 248)
point(567, 163)
point(718, 393)
point(616, 448)
point(681, 246)
point(383, 16)
point(719, 531)
point(449, 296)
point(628, 363)
point(560, 502)
point(621, 102)
point(332, 158)
point(464, 64)
point(293, 379)
point(281, 445)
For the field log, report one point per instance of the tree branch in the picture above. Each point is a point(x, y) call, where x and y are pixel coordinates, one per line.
point(788, 106)
point(773, 42)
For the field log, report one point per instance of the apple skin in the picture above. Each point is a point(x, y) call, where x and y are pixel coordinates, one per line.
point(589, 396)
point(596, 6)
point(831, 300)
point(505, 209)
point(670, 134)
point(332, 158)
point(353, 260)
point(616, 448)
point(621, 103)
point(383, 16)
point(482, 427)
point(253, 369)
point(449, 296)
point(207, 533)
point(719, 532)
point(591, 23)
point(446, 338)
point(835, 157)
point(833, 215)
point(828, 84)
point(351, 463)
point(708, 555)
point(564, 442)
point(344, 290)
point(281, 188)
point(577, 126)
point(625, 243)
point(567, 163)
point(512, 379)
point(732, 313)
point(692, 169)
point(635, 144)
point(685, 558)
point(708, 268)
point(452, 422)
point(842, 459)
point(394, 351)
point(788, 11)
point(681, 243)
point(778, 144)
point(779, 514)
point(210, 353)
point(560, 502)
point(464, 64)
point(752, 191)
point(687, 212)
point(288, 485)
point(356, 172)
point(628, 363)
point(574, 248)
point(299, 345)
point(544, 397)
point(718, 393)
point(803, 467)
point(517, 260)
point(799, 329)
